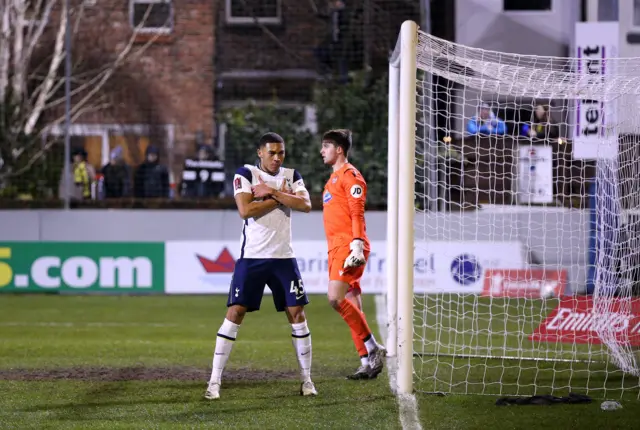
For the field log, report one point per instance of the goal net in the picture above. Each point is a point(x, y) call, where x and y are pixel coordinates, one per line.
point(514, 229)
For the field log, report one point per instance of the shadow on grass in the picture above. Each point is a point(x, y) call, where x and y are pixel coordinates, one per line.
point(111, 394)
point(185, 406)
point(213, 410)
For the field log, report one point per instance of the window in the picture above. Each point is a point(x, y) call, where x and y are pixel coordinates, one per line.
point(526, 5)
point(607, 10)
point(636, 13)
point(154, 16)
point(248, 11)
point(98, 140)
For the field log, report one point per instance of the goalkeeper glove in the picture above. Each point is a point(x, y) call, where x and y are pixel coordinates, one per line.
point(356, 258)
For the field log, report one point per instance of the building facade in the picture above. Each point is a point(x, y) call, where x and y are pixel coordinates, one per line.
point(162, 92)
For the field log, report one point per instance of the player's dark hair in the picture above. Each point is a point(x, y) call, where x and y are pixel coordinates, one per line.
point(269, 137)
point(340, 137)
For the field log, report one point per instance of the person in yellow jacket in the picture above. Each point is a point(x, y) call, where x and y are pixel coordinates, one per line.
point(83, 175)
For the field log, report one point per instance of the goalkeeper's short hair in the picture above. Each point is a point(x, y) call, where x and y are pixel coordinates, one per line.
point(340, 137)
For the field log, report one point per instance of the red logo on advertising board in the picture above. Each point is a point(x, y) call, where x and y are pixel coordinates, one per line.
point(574, 321)
point(223, 264)
point(529, 283)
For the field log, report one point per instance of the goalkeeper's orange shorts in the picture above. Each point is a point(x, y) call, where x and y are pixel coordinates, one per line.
point(350, 275)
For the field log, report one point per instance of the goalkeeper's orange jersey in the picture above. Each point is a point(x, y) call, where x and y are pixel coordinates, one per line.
point(343, 200)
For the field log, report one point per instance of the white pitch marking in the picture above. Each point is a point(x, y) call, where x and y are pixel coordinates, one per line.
point(407, 403)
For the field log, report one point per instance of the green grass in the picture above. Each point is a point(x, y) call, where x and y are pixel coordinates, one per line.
point(177, 333)
point(480, 345)
point(479, 412)
point(454, 328)
point(166, 343)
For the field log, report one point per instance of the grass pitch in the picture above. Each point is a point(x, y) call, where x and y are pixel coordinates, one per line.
point(143, 362)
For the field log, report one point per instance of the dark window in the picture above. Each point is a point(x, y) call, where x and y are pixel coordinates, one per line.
point(157, 17)
point(526, 5)
point(254, 8)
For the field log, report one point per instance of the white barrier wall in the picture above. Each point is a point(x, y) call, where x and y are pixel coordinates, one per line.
point(554, 237)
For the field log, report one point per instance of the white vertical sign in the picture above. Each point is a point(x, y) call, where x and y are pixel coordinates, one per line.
point(535, 174)
point(595, 133)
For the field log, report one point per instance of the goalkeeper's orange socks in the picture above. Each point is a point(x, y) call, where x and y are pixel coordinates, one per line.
point(359, 343)
point(358, 325)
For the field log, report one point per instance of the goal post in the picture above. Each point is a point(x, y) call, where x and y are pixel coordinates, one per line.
point(392, 208)
point(490, 221)
point(400, 210)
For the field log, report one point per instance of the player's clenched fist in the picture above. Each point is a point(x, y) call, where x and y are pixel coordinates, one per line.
point(356, 258)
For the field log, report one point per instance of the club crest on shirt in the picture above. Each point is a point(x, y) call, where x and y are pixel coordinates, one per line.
point(326, 197)
point(334, 180)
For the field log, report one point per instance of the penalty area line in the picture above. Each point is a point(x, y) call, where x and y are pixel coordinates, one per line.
point(407, 403)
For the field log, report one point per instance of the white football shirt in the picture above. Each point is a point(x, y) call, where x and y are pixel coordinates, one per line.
point(268, 236)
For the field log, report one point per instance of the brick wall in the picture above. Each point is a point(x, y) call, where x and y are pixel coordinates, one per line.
point(171, 81)
point(291, 44)
point(287, 45)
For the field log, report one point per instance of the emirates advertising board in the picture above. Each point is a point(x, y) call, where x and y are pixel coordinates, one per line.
point(575, 320)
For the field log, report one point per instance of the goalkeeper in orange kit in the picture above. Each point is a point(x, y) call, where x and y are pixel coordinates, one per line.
point(343, 211)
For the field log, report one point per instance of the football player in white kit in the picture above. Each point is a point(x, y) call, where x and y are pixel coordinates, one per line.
point(265, 195)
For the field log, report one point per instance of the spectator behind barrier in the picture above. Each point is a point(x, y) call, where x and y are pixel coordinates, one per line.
point(204, 176)
point(486, 122)
point(541, 125)
point(152, 178)
point(82, 176)
point(117, 176)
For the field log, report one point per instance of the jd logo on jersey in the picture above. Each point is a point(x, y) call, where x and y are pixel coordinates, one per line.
point(356, 191)
point(68, 266)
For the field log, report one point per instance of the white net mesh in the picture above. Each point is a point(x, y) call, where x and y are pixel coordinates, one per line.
point(506, 217)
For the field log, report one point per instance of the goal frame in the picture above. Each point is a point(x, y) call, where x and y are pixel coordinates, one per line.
point(411, 125)
point(400, 202)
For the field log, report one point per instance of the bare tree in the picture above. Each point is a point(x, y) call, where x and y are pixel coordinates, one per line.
point(31, 82)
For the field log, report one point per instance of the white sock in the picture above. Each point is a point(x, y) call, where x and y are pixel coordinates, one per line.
point(224, 343)
point(301, 338)
point(364, 360)
point(370, 343)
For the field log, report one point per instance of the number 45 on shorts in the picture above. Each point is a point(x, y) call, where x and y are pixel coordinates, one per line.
point(297, 290)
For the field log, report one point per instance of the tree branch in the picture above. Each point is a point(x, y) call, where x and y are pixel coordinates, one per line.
point(96, 83)
point(51, 75)
point(5, 55)
point(314, 7)
point(41, 23)
point(34, 102)
point(48, 144)
point(17, 78)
